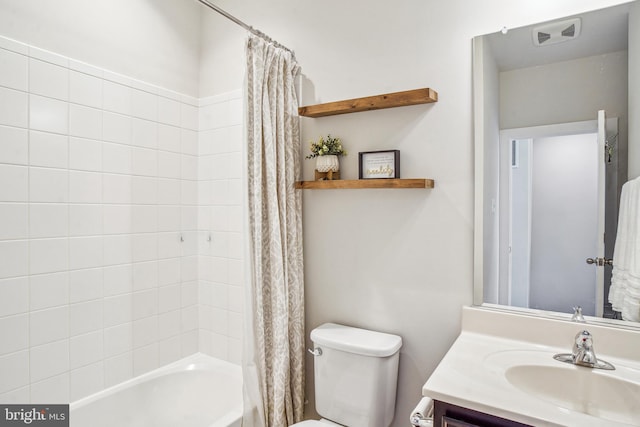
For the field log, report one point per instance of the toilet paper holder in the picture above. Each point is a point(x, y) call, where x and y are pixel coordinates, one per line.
point(422, 414)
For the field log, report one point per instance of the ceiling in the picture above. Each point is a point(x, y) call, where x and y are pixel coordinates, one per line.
point(603, 31)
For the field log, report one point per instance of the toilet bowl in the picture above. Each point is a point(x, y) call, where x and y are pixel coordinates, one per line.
point(355, 374)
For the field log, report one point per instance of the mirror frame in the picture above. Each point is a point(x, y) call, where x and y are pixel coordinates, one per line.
point(478, 232)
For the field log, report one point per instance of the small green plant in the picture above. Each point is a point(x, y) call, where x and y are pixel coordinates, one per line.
point(326, 146)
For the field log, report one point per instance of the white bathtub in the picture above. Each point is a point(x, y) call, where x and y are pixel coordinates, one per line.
point(197, 391)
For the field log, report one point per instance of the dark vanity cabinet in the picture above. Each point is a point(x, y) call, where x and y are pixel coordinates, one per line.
point(448, 415)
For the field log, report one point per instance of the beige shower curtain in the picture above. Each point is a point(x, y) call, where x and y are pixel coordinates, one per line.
point(274, 334)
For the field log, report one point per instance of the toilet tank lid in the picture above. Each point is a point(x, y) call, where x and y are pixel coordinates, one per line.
point(356, 340)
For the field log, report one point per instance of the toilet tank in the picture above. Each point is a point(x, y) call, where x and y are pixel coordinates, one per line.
point(355, 375)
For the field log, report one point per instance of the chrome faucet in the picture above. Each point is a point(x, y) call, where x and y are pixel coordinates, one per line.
point(583, 353)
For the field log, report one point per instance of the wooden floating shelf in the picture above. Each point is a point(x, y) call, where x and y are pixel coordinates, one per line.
point(389, 100)
point(365, 183)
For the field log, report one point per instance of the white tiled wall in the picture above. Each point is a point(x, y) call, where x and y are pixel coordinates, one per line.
point(221, 218)
point(98, 228)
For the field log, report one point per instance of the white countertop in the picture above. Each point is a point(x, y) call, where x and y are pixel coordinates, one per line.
point(472, 373)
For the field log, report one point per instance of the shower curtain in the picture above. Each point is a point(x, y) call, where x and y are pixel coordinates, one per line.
point(274, 351)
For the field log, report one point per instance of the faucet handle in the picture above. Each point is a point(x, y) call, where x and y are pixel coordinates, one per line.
point(583, 348)
point(577, 315)
point(583, 340)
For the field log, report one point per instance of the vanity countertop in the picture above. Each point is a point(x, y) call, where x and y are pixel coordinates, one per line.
point(478, 370)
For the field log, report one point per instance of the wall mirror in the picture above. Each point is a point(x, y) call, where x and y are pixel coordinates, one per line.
point(551, 122)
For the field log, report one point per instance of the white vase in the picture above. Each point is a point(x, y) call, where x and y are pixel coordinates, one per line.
point(327, 163)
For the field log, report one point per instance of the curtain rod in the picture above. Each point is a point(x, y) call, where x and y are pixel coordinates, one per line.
point(243, 25)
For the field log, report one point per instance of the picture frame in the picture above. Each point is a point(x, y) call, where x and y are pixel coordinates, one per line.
point(383, 164)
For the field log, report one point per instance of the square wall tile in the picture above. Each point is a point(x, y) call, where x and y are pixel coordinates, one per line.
point(85, 317)
point(48, 290)
point(145, 331)
point(14, 371)
point(116, 128)
point(85, 187)
point(145, 303)
point(14, 221)
point(117, 310)
point(144, 190)
point(48, 255)
point(144, 218)
point(48, 79)
point(85, 122)
point(18, 176)
point(189, 342)
point(85, 349)
point(168, 191)
point(144, 162)
point(168, 138)
point(145, 275)
point(116, 158)
point(189, 116)
point(13, 70)
point(48, 149)
point(168, 218)
point(116, 98)
point(169, 324)
point(86, 380)
point(48, 360)
point(117, 249)
point(144, 105)
point(117, 219)
point(49, 115)
point(15, 333)
point(169, 271)
point(85, 252)
point(14, 145)
point(118, 280)
point(48, 220)
point(85, 154)
point(169, 350)
point(14, 108)
point(169, 245)
point(54, 390)
point(85, 220)
point(14, 296)
point(169, 165)
point(85, 285)
point(189, 142)
point(169, 298)
point(15, 258)
point(145, 359)
point(145, 247)
point(48, 185)
point(85, 89)
point(49, 325)
point(118, 369)
point(116, 189)
point(144, 133)
point(168, 111)
point(118, 339)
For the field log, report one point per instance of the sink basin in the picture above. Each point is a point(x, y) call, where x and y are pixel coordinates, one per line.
point(580, 389)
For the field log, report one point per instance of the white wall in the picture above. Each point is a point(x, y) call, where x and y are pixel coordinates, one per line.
point(152, 40)
point(394, 260)
point(555, 93)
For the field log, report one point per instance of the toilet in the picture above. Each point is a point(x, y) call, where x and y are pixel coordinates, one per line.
point(356, 373)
